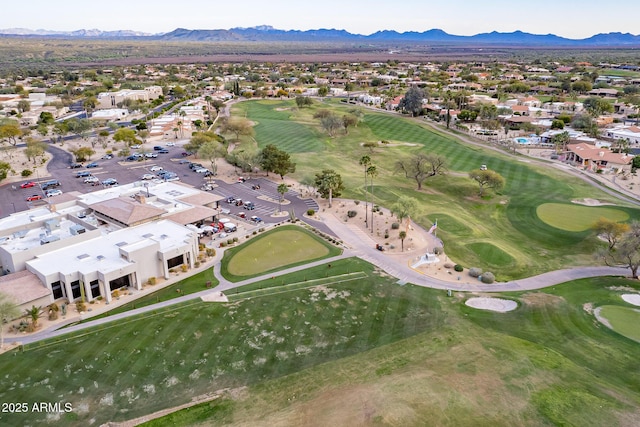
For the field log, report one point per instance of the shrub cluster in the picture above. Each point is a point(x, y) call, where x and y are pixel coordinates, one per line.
point(488, 277)
point(458, 268)
point(351, 214)
point(26, 172)
point(395, 226)
point(310, 212)
point(475, 272)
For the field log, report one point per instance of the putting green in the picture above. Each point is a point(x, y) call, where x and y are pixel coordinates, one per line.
point(623, 320)
point(571, 217)
point(491, 254)
point(283, 246)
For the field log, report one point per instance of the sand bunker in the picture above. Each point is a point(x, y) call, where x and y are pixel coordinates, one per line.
point(590, 202)
point(493, 304)
point(632, 299)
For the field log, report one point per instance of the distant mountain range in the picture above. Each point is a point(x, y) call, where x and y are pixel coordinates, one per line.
point(267, 33)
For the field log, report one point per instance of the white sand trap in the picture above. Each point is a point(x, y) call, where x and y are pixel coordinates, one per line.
point(215, 297)
point(493, 304)
point(632, 299)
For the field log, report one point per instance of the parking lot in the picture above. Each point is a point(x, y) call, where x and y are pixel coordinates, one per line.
point(265, 199)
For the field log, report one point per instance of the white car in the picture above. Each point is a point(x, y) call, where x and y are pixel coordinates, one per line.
point(170, 144)
point(147, 176)
point(136, 146)
point(51, 193)
point(91, 179)
point(202, 170)
point(155, 168)
point(151, 155)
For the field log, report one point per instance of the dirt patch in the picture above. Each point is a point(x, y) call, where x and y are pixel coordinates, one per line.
point(539, 299)
point(588, 307)
point(601, 319)
point(622, 288)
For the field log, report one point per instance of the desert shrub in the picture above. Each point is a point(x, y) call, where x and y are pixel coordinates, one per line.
point(458, 268)
point(172, 270)
point(53, 311)
point(26, 172)
point(380, 213)
point(81, 306)
point(196, 264)
point(235, 239)
point(475, 272)
point(115, 294)
point(184, 268)
point(310, 212)
point(223, 244)
point(375, 208)
point(437, 250)
point(488, 277)
point(201, 246)
point(254, 232)
point(357, 202)
point(386, 233)
point(395, 226)
point(448, 265)
point(151, 281)
point(211, 252)
point(352, 214)
point(230, 242)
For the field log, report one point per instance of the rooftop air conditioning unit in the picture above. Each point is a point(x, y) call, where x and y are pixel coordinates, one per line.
point(77, 229)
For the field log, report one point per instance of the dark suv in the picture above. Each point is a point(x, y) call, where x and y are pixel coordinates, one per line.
point(54, 183)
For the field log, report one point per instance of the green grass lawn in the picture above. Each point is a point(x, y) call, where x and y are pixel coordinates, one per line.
point(274, 250)
point(624, 320)
point(340, 353)
point(504, 220)
point(571, 217)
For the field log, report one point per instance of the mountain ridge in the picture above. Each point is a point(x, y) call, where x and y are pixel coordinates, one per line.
point(266, 33)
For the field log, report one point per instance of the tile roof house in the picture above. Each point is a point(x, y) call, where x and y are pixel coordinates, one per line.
point(593, 158)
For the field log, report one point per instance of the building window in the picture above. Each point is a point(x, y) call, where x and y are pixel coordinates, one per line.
point(57, 289)
point(75, 289)
point(95, 289)
point(120, 282)
point(174, 262)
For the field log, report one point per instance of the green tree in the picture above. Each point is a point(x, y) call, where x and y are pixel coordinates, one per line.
point(35, 149)
point(79, 127)
point(421, 166)
point(198, 139)
point(10, 132)
point(238, 126)
point(557, 124)
point(212, 150)
point(4, 170)
point(404, 207)
point(9, 310)
point(348, 120)
point(611, 231)
point(329, 184)
point(277, 161)
point(412, 101)
point(331, 123)
point(487, 179)
point(83, 153)
point(303, 101)
point(323, 91)
point(560, 141)
point(626, 252)
point(24, 106)
point(282, 190)
point(126, 135)
point(372, 172)
point(46, 118)
point(597, 106)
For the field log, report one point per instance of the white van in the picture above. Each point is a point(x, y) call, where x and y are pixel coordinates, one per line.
point(230, 227)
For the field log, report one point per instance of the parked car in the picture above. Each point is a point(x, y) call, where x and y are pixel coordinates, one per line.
point(255, 187)
point(28, 184)
point(208, 173)
point(75, 166)
point(193, 166)
point(136, 146)
point(186, 153)
point(107, 157)
point(83, 174)
point(92, 165)
point(249, 206)
point(52, 193)
point(54, 183)
point(230, 199)
point(147, 176)
point(155, 168)
point(242, 215)
point(34, 198)
point(241, 179)
point(201, 170)
point(157, 148)
point(151, 155)
point(183, 161)
point(91, 180)
point(163, 151)
point(256, 219)
point(238, 202)
point(171, 144)
point(171, 177)
point(109, 182)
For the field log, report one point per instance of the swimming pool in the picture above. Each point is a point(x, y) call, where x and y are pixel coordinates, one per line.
point(527, 141)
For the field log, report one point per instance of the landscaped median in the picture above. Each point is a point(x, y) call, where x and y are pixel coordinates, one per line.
point(277, 249)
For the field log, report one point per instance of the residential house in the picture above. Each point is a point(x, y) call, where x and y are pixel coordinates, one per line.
point(596, 159)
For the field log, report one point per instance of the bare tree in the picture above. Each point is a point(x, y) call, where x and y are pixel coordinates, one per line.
point(422, 166)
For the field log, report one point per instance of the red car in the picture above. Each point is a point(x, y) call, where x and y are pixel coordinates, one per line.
point(28, 184)
point(34, 198)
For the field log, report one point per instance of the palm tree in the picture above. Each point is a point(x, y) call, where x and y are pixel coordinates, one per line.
point(34, 313)
point(366, 162)
point(282, 189)
point(402, 235)
point(372, 172)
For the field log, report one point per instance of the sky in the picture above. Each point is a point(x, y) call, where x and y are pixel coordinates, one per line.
point(567, 18)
